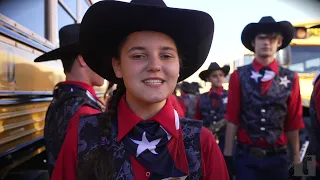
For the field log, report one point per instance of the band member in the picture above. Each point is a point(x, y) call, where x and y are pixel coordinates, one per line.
point(211, 106)
point(72, 98)
point(264, 106)
point(139, 46)
point(196, 86)
point(315, 122)
point(188, 99)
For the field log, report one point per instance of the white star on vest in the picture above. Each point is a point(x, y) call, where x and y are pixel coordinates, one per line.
point(225, 100)
point(284, 81)
point(145, 144)
point(255, 75)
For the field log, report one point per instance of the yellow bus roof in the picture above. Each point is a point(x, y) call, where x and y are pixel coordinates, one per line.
point(307, 24)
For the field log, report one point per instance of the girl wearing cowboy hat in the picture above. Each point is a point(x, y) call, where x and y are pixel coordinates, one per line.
point(264, 109)
point(145, 48)
point(211, 105)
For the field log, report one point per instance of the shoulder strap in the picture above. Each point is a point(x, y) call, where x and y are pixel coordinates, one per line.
point(191, 132)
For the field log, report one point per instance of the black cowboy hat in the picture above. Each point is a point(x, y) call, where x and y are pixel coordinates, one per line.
point(267, 25)
point(187, 87)
point(69, 45)
point(213, 67)
point(106, 24)
point(196, 84)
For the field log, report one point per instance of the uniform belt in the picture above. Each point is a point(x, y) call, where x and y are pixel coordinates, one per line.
point(260, 152)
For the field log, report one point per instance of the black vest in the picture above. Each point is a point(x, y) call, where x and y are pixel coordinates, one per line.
point(315, 126)
point(90, 139)
point(67, 99)
point(211, 113)
point(263, 115)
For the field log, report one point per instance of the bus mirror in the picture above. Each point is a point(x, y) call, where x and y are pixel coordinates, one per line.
point(284, 56)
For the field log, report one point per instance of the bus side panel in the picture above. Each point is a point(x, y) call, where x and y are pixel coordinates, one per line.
point(25, 93)
point(20, 73)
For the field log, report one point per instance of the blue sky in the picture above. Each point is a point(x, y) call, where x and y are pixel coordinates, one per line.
point(231, 16)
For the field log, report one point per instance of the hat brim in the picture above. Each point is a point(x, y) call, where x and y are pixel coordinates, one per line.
point(205, 74)
point(65, 51)
point(106, 24)
point(187, 90)
point(186, 87)
point(285, 28)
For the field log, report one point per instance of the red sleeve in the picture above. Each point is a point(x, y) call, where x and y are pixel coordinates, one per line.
point(317, 98)
point(66, 164)
point(233, 106)
point(198, 115)
point(294, 116)
point(213, 166)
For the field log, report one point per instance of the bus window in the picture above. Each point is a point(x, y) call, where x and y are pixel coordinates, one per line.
point(28, 13)
point(84, 6)
point(63, 18)
point(72, 5)
point(313, 63)
point(297, 67)
point(305, 59)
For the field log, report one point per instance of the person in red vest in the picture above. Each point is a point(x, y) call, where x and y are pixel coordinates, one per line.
point(264, 106)
point(139, 46)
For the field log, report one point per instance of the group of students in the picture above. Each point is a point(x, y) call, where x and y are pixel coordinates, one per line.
point(143, 131)
point(209, 107)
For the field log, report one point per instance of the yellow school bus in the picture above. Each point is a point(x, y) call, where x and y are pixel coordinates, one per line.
point(27, 30)
point(305, 48)
point(305, 57)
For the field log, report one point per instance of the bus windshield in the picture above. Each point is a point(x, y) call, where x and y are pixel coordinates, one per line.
point(305, 59)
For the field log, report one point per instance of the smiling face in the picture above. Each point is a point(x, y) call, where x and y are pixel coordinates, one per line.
point(149, 66)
